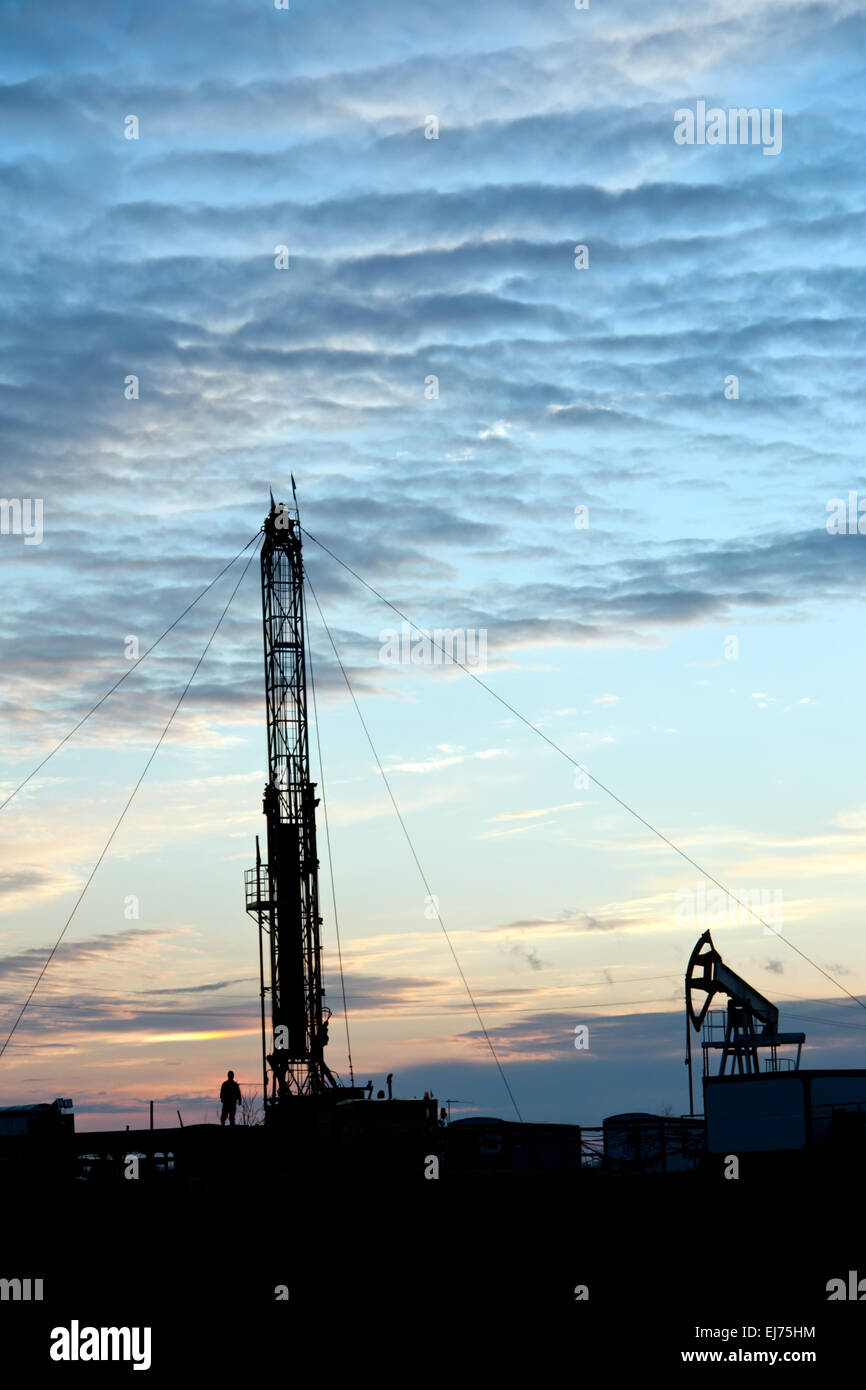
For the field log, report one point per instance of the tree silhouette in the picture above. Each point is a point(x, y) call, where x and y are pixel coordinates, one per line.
point(250, 1110)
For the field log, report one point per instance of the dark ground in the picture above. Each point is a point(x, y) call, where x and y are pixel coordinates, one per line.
point(410, 1280)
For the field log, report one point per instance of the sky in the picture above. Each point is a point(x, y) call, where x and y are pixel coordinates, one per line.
point(342, 241)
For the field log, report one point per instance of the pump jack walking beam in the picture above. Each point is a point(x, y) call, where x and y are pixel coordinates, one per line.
point(752, 1021)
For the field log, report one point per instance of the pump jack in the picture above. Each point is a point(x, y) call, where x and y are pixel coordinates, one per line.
point(752, 1021)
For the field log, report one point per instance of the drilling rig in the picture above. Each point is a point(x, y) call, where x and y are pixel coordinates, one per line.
point(283, 894)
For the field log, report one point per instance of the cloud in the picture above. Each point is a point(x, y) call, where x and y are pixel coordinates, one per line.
point(531, 815)
point(435, 764)
point(525, 955)
point(200, 989)
point(571, 924)
point(88, 952)
point(413, 259)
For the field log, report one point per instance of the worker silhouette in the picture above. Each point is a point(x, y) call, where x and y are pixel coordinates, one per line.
point(230, 1095)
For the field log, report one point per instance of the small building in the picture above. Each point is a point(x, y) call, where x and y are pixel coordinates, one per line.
point(638, 1142)
point(483, 1145)
point(41, 1120)
point(784, 1111)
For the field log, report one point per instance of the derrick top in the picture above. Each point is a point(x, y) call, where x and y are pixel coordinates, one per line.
point(281, 521)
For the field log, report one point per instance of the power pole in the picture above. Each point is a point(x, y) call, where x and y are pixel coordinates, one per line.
point(284, 893)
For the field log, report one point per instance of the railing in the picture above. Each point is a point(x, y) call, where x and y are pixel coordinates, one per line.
point(257, 889)
point(832, 1108)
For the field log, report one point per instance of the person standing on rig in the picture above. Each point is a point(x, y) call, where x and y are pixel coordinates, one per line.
point(230, 1095)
